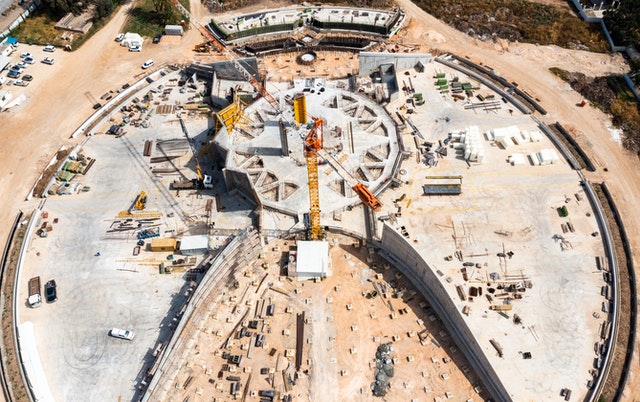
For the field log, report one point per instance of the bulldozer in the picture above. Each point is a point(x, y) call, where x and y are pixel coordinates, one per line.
point(203, 47)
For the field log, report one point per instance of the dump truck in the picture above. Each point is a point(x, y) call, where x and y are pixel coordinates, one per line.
point(35, 296)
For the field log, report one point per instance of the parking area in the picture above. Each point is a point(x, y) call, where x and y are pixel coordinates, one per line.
point(33, 71)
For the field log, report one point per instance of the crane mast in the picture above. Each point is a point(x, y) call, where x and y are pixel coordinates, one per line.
point(313, 144)
point(313, 141)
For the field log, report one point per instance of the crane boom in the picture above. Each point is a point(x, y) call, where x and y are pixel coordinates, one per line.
point(366, 196)
point(220, 47)
point(203, 180)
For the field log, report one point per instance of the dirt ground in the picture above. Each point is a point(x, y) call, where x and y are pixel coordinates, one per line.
point(57, 102)
point(345, 324)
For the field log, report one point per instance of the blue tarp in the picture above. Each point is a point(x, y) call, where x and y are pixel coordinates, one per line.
point(12, 40)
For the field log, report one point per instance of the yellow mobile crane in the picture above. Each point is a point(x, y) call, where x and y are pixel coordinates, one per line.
point(204, 181)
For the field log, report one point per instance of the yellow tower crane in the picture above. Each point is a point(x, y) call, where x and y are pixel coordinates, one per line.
point(313, 144)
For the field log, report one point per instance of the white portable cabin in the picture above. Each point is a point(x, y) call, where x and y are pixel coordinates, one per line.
point(175, 30)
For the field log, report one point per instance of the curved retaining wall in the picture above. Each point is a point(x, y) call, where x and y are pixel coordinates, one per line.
point(587, 161)
point(634, 294)
point(413, 266)
point(35, 216)
point(244, 248)
point(615, 289)
point(5, 258)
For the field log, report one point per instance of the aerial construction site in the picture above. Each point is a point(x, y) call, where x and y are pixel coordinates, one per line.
point(312, 217)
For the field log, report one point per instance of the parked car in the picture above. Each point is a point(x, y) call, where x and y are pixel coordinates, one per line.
point(27, 77)
point(147, 64)
point(29, 60)
point(14, 73)
point(135, 49)
point(49, 48)
point(21, 64)
point(21, 83)
point(97, 106)
point(119, 37)
point(122, 334)
point(156, 39)
point(48, 60)
point(50, 292)
point(23, 55)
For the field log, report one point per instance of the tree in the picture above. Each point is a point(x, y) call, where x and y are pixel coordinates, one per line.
point(164, 9)
point(624, 22)
point(103, 8)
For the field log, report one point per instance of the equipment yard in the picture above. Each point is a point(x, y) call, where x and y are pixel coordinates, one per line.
point(382, 226)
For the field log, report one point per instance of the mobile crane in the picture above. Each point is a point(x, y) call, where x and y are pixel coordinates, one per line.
point(204, 181)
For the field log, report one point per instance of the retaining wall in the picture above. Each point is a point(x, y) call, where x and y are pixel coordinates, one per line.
point(243, 249)
point(397, 250)
point(616, 292)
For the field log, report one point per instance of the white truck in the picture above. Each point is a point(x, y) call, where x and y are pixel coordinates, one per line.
point(35, 295)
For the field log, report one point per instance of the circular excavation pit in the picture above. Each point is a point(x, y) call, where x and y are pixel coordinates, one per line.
point(307, 58)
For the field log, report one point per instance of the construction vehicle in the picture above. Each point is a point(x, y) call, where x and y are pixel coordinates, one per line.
point(141, 201)
point(203, 47)
point(35, 297)
point(204, 181)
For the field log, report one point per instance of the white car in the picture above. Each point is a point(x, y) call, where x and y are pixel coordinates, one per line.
point(20, 83)
point(122, 334)
point(119, 37)
point(23, 55)
point(147, 64)
point(49, 48)
point(48, 60)
point(135, 49)
point(29, 60)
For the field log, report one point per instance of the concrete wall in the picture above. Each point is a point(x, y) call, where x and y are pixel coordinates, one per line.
point(370, 61)
point(242, 250)
point(397, 250)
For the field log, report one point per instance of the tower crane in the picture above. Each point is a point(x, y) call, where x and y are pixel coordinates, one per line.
point(314, 147)
point(313, 141)
point(313, 144)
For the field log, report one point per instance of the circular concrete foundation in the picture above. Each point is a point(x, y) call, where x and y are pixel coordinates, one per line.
point(307, 58)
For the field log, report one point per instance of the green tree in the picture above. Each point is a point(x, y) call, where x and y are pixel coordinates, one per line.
point(165, 9)
point(624, 22)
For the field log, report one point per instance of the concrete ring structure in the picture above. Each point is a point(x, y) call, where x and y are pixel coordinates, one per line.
point(482, 252)
point(307, 58)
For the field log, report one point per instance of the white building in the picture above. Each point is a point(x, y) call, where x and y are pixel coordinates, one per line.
point(311, 260)
point(192, 245)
